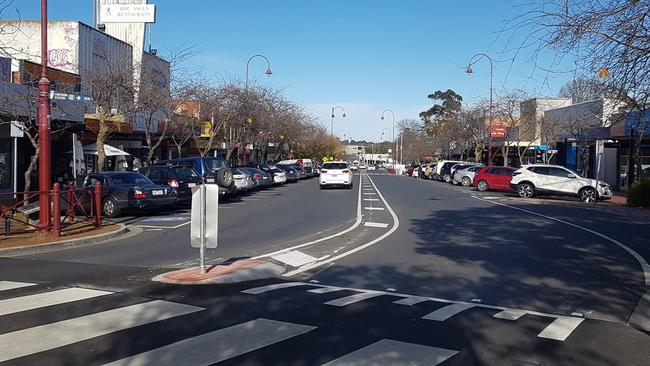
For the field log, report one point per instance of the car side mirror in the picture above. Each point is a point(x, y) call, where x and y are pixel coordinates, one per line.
point(571, 175)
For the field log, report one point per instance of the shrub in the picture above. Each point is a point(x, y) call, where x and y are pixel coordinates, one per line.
point(639, 194)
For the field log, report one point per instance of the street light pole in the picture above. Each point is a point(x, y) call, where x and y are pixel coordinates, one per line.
point(470, 71)
point(268, 67)
point(44, 147)
point(393, 135)
point(332, 122)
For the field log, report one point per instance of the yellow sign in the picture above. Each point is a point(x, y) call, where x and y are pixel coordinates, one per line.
point(331, 158)
point(324, 159)
point(249, 120)
point(603, 72)
point(206, 129)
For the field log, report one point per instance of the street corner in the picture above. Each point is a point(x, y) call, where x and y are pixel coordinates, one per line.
point(238, 271)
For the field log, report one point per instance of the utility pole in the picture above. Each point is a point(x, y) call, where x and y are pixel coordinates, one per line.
point(44, 147)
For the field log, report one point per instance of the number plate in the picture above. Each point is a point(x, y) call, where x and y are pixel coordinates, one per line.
point(157, 192)
point(210, 180)
point(190, 185)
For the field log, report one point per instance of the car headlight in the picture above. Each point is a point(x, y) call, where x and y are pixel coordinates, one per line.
point(604, 185)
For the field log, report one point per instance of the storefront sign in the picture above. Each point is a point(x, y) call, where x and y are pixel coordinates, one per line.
point(497, 131)
point(117, 13)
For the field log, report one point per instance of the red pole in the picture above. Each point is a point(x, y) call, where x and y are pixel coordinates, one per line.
point(44, 158)
point(56, 198)
point(71, 202)
point(98, 204)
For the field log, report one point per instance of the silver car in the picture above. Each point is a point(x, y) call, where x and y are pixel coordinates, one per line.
point(466, 176)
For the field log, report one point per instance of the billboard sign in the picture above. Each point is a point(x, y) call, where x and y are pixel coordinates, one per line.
point(497, 131)
point(127, 13)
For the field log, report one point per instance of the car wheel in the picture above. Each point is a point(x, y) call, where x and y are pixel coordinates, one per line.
point(482, 185)
point(224, 177)
point(447, 178)
point(526, 190)
point(436, 177)
point(350, 186)
point(110, 208)
point(587, 194)
point(465, 181)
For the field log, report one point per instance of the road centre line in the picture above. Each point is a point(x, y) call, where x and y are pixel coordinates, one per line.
point(357, 222)
point(310, 266)
point(644, 264)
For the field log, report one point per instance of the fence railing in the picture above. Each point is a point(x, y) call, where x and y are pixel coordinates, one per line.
point(68, 207)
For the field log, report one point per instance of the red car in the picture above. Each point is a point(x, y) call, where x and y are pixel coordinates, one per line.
point(494, 178)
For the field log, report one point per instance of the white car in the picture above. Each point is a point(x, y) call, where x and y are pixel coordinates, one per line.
point(354, 166)
point(335, 173)
point(554, 179)
point(466, 176)
point(279, 176)
point(372, 167)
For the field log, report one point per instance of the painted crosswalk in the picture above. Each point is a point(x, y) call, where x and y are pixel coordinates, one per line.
point(243, 338)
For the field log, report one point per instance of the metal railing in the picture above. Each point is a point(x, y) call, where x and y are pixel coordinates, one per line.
point(67, 207)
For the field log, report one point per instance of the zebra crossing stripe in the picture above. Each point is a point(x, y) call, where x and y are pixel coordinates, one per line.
point(325, 290)
point(510, 314)
point(561, 328)
point(10, 285)
point(411, 300)
point(30, 302)
point(219, 345)
point(343, 301)
point(49, 336)
point(448, 311)
point(277, 286)
point(393, 353)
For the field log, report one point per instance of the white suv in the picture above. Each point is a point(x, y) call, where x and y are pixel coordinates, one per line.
point(335, 173)
point(554, 179)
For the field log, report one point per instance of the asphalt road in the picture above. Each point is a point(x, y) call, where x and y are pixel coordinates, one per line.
point(401, 270)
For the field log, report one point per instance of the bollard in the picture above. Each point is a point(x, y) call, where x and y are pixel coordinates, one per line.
point(56, 203)
point(98, 204)
point(7, 225)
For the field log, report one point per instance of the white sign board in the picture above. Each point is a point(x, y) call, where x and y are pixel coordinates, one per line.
point(17, 129)
point(127, 13)
point(204, 216)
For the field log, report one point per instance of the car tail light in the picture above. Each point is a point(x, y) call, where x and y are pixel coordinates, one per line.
point(323, 171)
point(345, 171)
point(173, 183)
point(257, 177)
point(138, 194)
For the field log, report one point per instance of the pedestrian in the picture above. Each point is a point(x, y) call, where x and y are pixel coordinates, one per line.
point(427, 172)
point(420, 175)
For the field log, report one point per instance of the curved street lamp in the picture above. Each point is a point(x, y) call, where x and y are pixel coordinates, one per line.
point(268, 66)
point(393, 135)
point(332, 123)
point(469, 70)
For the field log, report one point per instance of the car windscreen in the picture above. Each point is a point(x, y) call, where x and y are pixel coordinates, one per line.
point(185, 172)
point(130, 178)
point(212, 165)
point(335, 166)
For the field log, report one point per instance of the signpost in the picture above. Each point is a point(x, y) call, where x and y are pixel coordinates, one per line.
point(16, 132)
point(204, 219)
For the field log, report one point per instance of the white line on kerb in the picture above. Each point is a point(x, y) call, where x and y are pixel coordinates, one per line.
point(313, 265)
point(354, 226)
point(644, 265)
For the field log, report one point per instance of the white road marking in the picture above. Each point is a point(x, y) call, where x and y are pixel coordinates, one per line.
point(357, 222)
point(153, 229)
point(310, 266)
point(277, 286)
point(225, 207)
point(510, 314)
point(375, 224)
point(393, 353)
point(343, 301)
point(162, 227)
point(294, 258)
point(374, 208)
point(448, 311)
point(219, 345)
point(49, 336)
point(561, 328)
point(642, 262)
point(10, 285)
point(30, 302)
point(238, 203)
point(411, 300)
point(325, 290)
point(371, 193)
point(371, 199)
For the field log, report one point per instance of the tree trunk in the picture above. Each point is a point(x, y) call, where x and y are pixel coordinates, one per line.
point(28, 174)
point(102, 135)
point(178, 147)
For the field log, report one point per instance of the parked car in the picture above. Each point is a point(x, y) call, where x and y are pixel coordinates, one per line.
point(335, 173)
point(291, 173)
point(443, 167)
point(213, 170)
point(243, 180)
point(558, 180)
point(180, 179)
point(307, 165)
point(466, 176)
point(129, 191)
point(493, 178)
point(260, 178)
point(456, 168)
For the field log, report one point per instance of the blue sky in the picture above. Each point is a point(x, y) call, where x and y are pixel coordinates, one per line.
point(363, 55)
